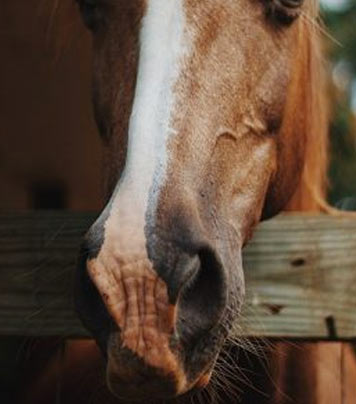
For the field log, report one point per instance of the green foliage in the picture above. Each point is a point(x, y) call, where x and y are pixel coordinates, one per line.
point(342, 25)
point(342, 52)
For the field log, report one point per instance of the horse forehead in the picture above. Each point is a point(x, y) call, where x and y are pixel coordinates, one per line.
point(162, 49)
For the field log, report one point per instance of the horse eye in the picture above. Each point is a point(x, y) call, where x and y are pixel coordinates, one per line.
point(284, 11)
point(90, 12)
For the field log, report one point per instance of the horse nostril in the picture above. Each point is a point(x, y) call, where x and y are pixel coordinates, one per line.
point(202, 299)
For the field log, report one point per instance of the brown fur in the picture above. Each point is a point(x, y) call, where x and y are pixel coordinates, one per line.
point(311, 113)
point(311, 192)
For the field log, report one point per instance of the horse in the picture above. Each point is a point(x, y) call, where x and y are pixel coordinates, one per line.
point(214, 118)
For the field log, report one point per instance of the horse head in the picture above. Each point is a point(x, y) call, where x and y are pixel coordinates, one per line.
point(203, 106)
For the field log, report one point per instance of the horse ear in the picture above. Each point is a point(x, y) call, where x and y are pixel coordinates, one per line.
point(302, 143)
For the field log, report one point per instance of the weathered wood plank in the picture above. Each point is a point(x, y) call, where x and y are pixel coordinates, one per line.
point(300, 276)
point(38, 254)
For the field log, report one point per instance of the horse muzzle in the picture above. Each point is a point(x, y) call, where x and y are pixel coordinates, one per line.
point(158, 314)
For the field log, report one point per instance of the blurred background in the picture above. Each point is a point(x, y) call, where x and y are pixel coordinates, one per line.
point(49, 148)
point(50, 152)
point(340, 19)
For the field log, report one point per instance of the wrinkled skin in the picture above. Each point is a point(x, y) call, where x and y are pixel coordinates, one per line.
point(200, 105)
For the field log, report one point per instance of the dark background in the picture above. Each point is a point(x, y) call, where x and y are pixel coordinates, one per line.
point(49, 149)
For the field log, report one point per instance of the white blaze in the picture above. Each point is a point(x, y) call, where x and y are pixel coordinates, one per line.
point(162, 50)
point(134, 295)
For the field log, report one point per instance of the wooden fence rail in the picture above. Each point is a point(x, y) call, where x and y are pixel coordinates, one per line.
point(300, 276)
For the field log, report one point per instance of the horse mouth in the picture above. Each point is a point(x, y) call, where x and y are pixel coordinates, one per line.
point(129, 377)
point(157, 374)
point(152, 388)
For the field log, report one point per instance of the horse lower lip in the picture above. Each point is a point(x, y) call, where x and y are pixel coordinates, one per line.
point(130, 377)
point(137, 392)
point(143, 387)
point(154, 388)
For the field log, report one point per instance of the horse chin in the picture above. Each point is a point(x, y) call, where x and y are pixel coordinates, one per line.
point(154, 389)
point(160, 388)
point(130, 379)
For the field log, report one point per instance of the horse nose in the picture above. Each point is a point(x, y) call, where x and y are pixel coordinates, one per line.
point(148, 304)
point(195, 278)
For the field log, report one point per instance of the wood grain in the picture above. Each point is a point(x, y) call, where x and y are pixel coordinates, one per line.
point(300, 275)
